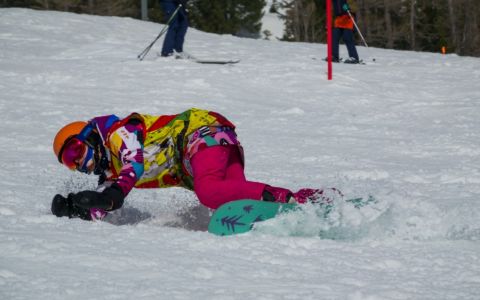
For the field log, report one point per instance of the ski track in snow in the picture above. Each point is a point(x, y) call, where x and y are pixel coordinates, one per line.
point(403, 128)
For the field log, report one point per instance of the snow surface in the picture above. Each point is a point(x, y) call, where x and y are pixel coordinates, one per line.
point(404, 128)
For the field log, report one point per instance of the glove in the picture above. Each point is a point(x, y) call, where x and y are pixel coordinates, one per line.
point(345, 7)
point(63, 207)
point(90, 199)
point(111, 198)
point(60, 206)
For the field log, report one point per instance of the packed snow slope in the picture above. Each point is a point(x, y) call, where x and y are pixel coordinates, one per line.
point(404, 128)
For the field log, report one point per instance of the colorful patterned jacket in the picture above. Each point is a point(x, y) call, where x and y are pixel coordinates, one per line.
point(147, 151)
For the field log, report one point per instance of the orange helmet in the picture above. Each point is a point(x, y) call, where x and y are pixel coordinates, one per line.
point(65, 133)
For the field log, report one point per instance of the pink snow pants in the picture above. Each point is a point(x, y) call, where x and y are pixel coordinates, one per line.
point(218, 177)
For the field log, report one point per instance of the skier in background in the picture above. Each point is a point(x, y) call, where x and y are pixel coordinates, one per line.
point(177, 29)
point(343, 28)
point(196, 149)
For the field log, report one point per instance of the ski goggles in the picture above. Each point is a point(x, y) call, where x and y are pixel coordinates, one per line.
point(73, 152)
point(75, 149)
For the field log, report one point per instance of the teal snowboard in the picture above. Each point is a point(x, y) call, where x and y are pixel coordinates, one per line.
point(241, 215)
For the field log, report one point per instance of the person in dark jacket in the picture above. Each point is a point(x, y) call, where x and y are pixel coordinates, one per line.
point(177, 29)
point(343, 28)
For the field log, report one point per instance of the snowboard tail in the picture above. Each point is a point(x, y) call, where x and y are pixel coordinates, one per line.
point(241, 215)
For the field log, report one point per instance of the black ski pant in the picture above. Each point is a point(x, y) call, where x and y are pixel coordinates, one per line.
point(348, 38)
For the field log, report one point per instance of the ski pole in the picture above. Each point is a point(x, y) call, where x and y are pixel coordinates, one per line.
point(358, 29)
point(144, 53)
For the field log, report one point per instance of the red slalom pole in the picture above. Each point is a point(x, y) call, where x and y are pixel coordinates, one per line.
point(329, 39)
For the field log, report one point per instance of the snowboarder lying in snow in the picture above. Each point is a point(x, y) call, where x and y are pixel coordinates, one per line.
point(196, 149)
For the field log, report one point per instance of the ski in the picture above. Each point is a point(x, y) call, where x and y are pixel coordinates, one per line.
point(346, 61)
point(354, 62)
point(216, 62)
point(333, 61)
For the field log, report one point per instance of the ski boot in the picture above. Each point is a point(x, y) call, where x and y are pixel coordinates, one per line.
point(351, 60)
point(277, 194)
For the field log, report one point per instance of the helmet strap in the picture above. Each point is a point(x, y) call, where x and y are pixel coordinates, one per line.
point(101, 160)
point(90, 153)
point(86, 132)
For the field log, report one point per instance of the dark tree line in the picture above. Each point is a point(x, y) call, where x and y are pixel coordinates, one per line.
point(98, 7)
point(421, 25)
point(237, 17)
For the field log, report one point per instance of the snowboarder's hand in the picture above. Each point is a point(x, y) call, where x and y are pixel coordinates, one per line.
point(90, 199)
point(111, 198)
point(60, 206)
point(63, 207)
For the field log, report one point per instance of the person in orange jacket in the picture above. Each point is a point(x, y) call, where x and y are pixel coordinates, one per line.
point(343, 28)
